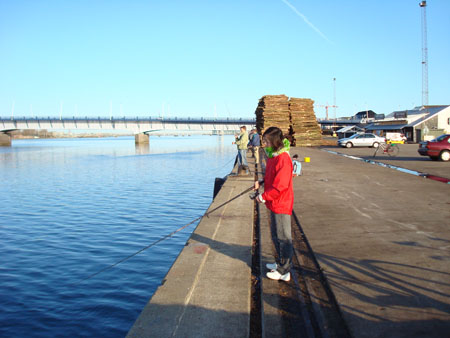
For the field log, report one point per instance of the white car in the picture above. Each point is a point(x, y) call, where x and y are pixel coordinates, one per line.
point(361, 140)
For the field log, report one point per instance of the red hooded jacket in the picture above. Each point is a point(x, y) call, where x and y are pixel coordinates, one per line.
point(278, 189)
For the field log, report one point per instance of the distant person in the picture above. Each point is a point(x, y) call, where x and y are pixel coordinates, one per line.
point(255, 143)
point(279, 199)
point(297, 171)
point(242, 142)
point(403, 138)
point(250, 135)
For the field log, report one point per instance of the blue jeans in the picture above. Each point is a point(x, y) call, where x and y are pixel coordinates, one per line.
point(242, 157)
point(283, 243)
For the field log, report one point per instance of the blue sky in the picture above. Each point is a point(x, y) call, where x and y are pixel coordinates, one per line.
point(217, 58)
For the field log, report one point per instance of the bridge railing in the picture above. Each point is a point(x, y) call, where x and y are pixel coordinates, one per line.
point(226, 120)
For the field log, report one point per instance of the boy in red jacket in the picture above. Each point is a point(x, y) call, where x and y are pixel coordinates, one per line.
point(279, 198)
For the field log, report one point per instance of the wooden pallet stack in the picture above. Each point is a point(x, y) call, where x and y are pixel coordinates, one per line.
point(305, 130)
point(294, 116)
point(273, 110)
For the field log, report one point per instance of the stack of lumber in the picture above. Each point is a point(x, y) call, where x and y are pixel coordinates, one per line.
point(273, 110)
point(294, 116)
point(305, 130)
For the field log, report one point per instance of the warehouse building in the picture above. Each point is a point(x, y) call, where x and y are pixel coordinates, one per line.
point(418, 124)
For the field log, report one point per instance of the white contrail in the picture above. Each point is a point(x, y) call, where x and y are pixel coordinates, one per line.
point(306, 20)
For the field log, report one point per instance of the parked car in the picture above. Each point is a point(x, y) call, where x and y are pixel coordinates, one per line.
point(361, 140)
point(436, 149)
point(395, 138)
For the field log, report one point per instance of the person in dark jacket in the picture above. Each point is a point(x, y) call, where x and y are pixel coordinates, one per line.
point(255, 143)
point(278, 197)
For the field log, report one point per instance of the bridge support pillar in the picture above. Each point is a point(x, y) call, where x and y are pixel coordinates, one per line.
point(141, 138)
point(5, 140)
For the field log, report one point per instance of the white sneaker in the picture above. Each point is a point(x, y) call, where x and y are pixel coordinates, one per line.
point(278, 276)
point(271, 266)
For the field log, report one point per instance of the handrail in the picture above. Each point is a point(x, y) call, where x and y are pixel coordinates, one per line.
point(136, 119)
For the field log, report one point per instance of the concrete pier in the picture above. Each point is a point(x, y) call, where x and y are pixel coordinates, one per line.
point(141, 139)
point(5, 140)
point(207, 291)
point(380, 236)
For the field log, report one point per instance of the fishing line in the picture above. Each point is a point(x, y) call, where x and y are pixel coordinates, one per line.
point(235, 161)
point(163, 238)
point(222, 166)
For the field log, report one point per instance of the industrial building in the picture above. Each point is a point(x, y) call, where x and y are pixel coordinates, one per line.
point(418, 124)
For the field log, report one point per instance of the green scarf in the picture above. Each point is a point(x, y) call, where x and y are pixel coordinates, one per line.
point(270, 153)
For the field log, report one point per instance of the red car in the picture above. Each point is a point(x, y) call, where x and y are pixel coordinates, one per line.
point(439, 148)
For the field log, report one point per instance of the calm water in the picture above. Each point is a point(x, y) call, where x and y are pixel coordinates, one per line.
point(71, 207)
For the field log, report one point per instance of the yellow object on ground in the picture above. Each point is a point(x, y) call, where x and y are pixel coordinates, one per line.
point(307, 159)
point(393, 142)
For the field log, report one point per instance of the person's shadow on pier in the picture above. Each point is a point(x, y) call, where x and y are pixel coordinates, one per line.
point(236, 251)
point(390, 286)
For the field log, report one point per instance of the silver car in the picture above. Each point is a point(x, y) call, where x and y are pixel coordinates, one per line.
point(361, 140)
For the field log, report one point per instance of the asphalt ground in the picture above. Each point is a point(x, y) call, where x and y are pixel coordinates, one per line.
point(407, 158)
point(381, 238)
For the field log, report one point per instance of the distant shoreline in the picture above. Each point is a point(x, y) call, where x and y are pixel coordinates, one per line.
point(45, 134)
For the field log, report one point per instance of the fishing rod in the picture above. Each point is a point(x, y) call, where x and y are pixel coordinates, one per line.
point(221, 166)
point(230, 200)
point(164, 237)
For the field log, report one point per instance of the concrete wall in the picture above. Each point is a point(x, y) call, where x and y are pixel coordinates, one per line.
point(141, 139)
point(431, 123)
point(5, 140)
point(444, 119)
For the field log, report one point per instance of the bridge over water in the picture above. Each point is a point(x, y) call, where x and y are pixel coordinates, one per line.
point(141, 127)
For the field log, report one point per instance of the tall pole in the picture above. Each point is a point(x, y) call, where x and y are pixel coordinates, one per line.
point(423, 4)
point(334, 97)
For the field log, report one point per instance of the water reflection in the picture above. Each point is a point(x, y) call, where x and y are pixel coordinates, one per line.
point(70, 207)
point(142, 149)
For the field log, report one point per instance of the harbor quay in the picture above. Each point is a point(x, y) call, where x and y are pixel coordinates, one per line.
point(371, 257)
point(206, 293)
